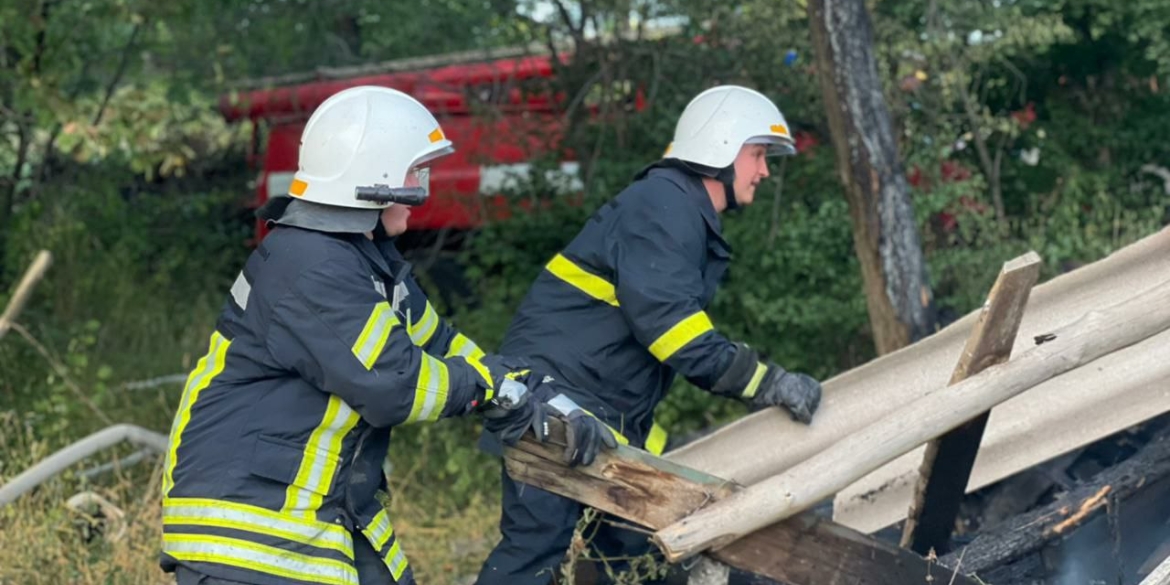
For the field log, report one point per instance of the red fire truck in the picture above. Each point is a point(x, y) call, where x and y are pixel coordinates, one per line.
point(499, 112)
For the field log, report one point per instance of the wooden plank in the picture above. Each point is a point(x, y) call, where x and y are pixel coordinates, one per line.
point(652, 492)
point(1160, 576)
point(1029, 532)
point(1114, 393)
point(628, 483)
point(35, 272)
point(946, 465)
point(1096, 334)
point(745, 450)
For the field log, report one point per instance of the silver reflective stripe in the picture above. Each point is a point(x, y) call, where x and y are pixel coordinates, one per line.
point(201, 512)
point(430, 387)
point(430, 394)
point(381, 530)
point(563, 404)
point(321, 456)
point(396, 560)
point(373, 338)
point(258, 557)
point(461, 345)
point(421, 332)
point(401, 293)
point(240, 291)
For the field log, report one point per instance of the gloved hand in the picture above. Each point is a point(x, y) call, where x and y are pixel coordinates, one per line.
point(512, 411)
point(798, 393)
point(762, 384)
point(585, 435)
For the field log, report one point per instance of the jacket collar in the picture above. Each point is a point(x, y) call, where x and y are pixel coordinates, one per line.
point(692, 185)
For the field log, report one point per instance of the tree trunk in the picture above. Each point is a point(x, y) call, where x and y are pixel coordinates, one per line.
point(885, 234)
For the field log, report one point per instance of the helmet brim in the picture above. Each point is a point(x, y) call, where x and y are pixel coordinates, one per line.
point(777, 145)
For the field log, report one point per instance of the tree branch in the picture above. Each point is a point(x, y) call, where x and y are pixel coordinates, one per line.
point(61, 371)
point(113, 85)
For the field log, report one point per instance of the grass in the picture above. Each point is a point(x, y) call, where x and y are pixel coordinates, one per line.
point(44, 541)
point(129, 298)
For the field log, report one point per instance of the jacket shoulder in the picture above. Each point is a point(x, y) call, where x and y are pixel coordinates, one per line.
point(290, 247)
point(663, 200)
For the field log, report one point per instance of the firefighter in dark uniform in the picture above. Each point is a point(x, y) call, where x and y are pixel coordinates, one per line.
point(621, 310)
point(325, 343)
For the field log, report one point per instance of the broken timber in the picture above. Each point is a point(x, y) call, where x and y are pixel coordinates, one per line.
point(652, 492)
point(1116, 392)
point(33, 275)
point(1029, 532)
point(946, 465)
point(1095, 334)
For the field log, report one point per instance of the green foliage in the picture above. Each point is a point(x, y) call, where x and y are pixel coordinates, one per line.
point(139, 272)
point(113, 157)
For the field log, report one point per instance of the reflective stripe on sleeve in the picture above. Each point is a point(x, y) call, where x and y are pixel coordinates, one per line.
point(374, 335)
point(682, 333)
point(430, 395)
point(588, 283)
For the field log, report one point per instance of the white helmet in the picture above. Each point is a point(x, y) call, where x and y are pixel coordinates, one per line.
point(359, 146)
point(719, 121)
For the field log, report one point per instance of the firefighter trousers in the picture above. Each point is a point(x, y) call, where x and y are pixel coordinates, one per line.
point(537, 528)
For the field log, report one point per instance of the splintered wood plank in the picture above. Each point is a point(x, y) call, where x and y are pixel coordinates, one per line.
point(1096, 334)
point(652, 492)
point(946, 465)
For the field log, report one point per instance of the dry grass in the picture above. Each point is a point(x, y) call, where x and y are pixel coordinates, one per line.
point(42, 541)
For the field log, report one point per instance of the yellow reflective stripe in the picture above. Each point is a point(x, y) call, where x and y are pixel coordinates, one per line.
point(754, 383)
point(682, 333)
point(319, 463)
point(223, 514)
point(462, 345)
point(258, 557)
point(379, 532)
point(424, 329)
point(369, 344)
point(483, 373)
point(590, 284)
point(621, 439)
point(656, 442)
point(208, 367)
point(430, 394)
point(396, 561)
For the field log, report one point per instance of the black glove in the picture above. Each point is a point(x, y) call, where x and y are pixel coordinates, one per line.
point(798, 393)
point(512, 408)
point(585, 435)
point(513, 411)
point(765, 384)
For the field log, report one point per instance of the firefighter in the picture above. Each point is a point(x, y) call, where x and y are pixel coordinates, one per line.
point(324, 344)
point(621, 310)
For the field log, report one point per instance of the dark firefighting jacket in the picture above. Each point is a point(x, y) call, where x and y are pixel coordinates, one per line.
point(275, 457)
point(621, 309)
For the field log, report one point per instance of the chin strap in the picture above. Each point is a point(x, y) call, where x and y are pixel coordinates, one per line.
point(726, 176)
